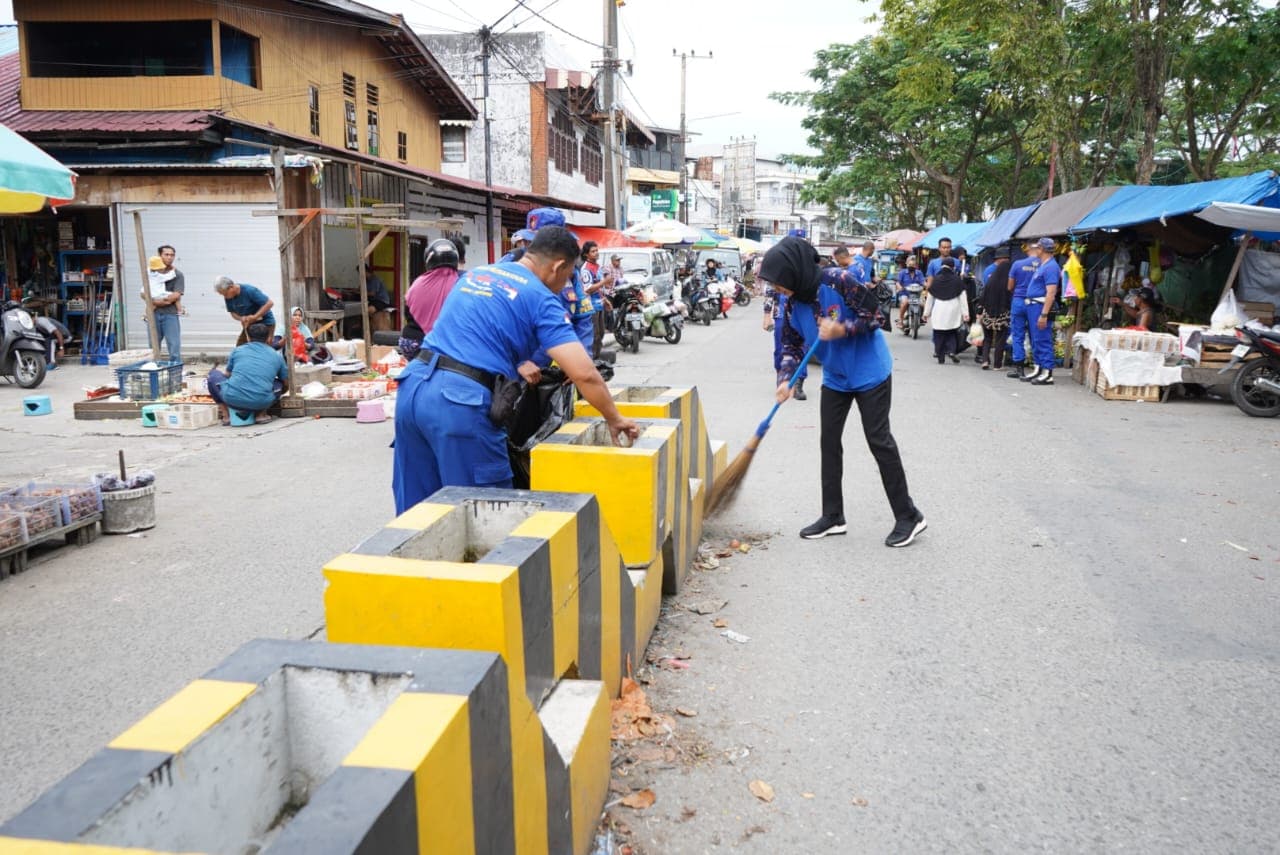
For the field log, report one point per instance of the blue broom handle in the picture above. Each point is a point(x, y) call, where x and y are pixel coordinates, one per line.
point(795, 378)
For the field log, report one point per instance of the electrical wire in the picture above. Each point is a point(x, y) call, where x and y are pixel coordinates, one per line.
point(529, 18)
point(556, 26)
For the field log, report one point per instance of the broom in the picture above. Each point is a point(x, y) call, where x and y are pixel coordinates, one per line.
point(728, 483)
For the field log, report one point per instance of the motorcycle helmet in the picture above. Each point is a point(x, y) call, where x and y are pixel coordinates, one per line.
point(441, 253)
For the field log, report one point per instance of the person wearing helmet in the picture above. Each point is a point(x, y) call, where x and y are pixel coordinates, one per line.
point(519, 243)
point(425, 296)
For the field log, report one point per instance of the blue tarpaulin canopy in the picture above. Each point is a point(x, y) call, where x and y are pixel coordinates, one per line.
point(1003, 227)
point(1132, 205)
point(961, 234)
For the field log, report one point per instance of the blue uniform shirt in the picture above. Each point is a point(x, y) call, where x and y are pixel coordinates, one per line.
point(855, 363)
point(497, 317)
point(248, 302)
point(254, 368)
point(909, 276)
point(1048, 273)
point(1021, 272)
point(987, 271)
point(936, 264)
point(867, 265)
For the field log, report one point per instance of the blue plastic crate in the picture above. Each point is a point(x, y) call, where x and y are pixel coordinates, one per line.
point(149, 384)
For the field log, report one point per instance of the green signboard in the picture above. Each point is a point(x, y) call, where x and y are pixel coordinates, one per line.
point(665, 201)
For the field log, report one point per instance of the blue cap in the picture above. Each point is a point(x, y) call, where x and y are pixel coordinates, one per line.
point(540, 217)
point(1048, 244)
point(523, 234)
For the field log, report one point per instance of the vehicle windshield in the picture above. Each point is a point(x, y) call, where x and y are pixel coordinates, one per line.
point(730, 260)
point(633, 262)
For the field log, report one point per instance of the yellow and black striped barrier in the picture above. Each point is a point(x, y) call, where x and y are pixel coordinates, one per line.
point(298, 747)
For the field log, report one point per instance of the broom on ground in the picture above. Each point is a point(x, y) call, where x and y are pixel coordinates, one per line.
point(727, 484)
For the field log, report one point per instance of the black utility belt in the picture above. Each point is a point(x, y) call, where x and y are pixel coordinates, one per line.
point(484, 378)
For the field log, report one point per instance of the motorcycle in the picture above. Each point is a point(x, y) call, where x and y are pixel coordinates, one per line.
point(1256, 388)
point(915, 310)
point(664, 320)
point(703, 304)
point(22, 347)
point(741, 296)
point(628, 317)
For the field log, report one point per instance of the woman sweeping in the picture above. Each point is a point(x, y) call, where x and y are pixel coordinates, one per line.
point(948, 306)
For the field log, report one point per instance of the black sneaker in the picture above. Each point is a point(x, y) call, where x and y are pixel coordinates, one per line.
point(905, 531)
point(1015, 371)
point(824, 526)
point(1044, 378)
point(799, 394)
point(954, 358)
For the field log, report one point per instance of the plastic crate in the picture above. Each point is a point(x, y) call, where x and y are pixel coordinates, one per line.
point(149, 384)
point(13, 530)
point(43, 513)
point(187, 417)
point(79, 501)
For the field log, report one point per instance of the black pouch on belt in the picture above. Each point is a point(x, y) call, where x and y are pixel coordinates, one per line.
point(506, 401)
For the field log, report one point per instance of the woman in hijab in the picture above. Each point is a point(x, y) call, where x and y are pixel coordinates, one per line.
point(948, 306)
point(996, 299)
point(833, 307)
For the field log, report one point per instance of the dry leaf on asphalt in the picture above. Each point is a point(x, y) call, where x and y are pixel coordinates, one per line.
point(640, 799)
point(761, 790)
point(860, 802)
point(719, 623)
point(631, 716)
point(806, 795)
point(686, 712)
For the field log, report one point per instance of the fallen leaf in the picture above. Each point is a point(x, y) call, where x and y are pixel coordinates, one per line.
point(761, 790)
point(806, 795)
point(707, 607)
point(744, 548)
point(686, 712)
point(631, 716)
point(640, 799)
point(719, 623)
point(860, 802)
point(687, 814)
point(724, 553)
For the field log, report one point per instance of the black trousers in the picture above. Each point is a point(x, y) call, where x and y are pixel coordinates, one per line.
point(993, 342)
point(597, 334)
point(873, 407)
point(945, 343)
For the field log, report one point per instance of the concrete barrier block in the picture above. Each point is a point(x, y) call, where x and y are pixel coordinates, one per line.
point(297, 747)
point(577, 719)
point(719, 460)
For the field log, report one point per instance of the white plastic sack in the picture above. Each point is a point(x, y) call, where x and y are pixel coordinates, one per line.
point(314, 389)
point(1228, 314)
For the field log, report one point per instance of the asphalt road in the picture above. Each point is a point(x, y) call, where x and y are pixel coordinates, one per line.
point(1081, 654)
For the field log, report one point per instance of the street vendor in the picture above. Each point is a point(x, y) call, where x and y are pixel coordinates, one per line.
point(254, 379)
point(245, 303)
point(1147, 307)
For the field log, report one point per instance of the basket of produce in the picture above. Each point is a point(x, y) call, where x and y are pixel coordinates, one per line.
point(13, 530)
point(79, 501)
point(149, 381)
point(42, 513)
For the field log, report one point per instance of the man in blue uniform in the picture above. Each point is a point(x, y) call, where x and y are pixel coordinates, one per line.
point(519, 243)
point(1019, 277)
point(1042, 293)
point(492, 322)
point(944, 251)
point(833, 306)
point(908, 275)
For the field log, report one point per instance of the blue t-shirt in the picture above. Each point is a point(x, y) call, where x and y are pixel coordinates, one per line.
point(936, 264)
point(908, 276)
point(1048, 273)
point(254, 368)
point(987, 271)
point(497, 317)
point(854, 363)
point(248, 302)
point(867, 265)
point(1021, 272)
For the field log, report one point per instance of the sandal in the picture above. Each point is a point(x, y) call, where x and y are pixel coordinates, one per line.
point(262, 420)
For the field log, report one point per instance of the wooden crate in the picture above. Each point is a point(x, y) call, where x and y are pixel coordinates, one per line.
point(1081, 363)
point(1124, 393)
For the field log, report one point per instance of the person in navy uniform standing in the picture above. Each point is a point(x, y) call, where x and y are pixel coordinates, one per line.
point(836, 307)
point(495, 319)
point(1019, 278)
point(1042, 293)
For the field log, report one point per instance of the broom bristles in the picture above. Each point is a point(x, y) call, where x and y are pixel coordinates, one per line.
point(727, 484)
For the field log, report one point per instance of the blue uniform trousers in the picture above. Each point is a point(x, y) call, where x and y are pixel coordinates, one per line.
point(1041, 339)
point(443, 436)
point(1018, 329)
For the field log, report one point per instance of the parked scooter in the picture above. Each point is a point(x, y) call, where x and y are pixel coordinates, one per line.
point(1256, 388)
point(628, 317)
point(703, 304)
point(741, 295)
point(664, 320)
point(915, 310)
point(22, 347)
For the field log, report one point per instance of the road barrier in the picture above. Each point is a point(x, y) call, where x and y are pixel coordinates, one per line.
point(298, 747)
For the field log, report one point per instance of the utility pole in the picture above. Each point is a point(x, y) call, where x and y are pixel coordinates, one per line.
point(610, 67)
point(485, 35)
point(684, 131)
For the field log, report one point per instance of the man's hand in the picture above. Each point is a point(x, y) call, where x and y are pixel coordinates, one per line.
point(830, 330)
point(783, 392)
point(531, 373)
point(1042, 322)
point(767, 324)
point(623, 427)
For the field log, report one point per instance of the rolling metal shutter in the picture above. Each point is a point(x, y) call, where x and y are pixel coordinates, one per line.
point(211, 240)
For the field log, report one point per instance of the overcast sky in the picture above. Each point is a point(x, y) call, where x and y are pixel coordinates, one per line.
point(756, 52)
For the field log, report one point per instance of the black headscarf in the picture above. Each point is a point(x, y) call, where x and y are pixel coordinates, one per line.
point(996, 299)
point(947, 284)
point(792, 263)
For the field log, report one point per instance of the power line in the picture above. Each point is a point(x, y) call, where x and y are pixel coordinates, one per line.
point(556, 26)
point(529, 18)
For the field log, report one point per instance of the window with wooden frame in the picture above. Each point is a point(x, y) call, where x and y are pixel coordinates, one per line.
point(592, 160)
point(313, 104)
point(352, 132)
point(375, 140)
point(402, 146)
point(562, 143)
point(453, 144)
